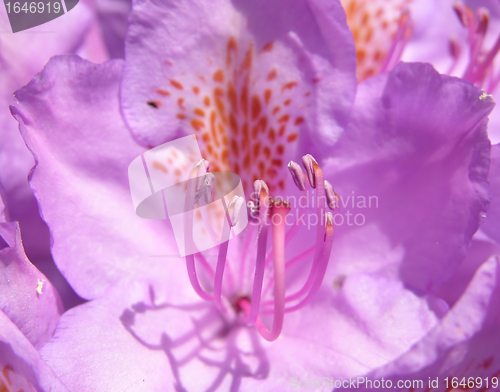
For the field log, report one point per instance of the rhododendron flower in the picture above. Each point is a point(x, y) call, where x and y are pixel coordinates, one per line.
point(408, 159)
point(146, 312)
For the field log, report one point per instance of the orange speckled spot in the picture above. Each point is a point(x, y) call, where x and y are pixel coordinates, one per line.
point(221, 129)
point(280, 149)
point(219, 76)
point(316, 80)
point(276, 109)
point(299, 120)
point(181, 116)
point(225, 157)
point(284, 118)
point(246, 162)
point(222, 109)
point(292, 137)
point(3, 387)
point(307, 94)
point(287, 102)
point(281, 131)
point(256, 107)
point(271, 136)
point(160, 166)
point(210, 149)
point(256, 150)
point(255, 131)
point(247, 62)
point(233, 125)
point(271, 173)
point(176, 84)
point(288, 86)
point(164, 93)
point(206, 101)
point(180, 102)
point(234, 148)
point(261, 168)
point(268, 47)
point(244, 130)
point(197, 124)
point(218, 92)
point(231, 94)
point(205, 137)
point(168, 62)
point(369, 35)
point(232, 47)
point(281, 184)
point(244, 99)
point(212, 128)
point(199, 112)
point(267, 152)
point(277, 162)
point(196, 90)
point(267, 96)
point(263, 124)
point(272, 75)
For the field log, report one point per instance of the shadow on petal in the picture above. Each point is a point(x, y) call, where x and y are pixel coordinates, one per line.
point(197, 335)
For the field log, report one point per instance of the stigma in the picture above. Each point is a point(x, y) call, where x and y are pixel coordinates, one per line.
point(258, 277)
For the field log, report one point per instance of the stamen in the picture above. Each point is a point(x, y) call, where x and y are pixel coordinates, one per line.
point(297, 175)
point(308, 161)
point(399, 42)
point(464, 14)
point(221, 259)
point(320, 273)
point(234, 208)
point(279, 209)
point(477, 32)
point(455, 51)
point(260, 261)
point(317, 178)
point(198, 170)
point(331, 196)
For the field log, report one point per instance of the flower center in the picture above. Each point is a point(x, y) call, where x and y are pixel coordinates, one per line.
point(263, 295)
point(381, 30)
